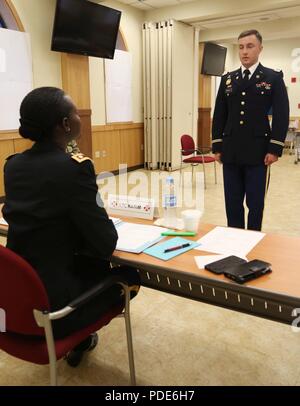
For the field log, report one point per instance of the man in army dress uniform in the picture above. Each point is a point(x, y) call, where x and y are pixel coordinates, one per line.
point(242, 137)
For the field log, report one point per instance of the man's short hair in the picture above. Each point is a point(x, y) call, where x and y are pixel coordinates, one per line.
point(251, 32)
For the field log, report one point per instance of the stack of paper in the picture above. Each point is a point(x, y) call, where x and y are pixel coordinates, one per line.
point(137, 237)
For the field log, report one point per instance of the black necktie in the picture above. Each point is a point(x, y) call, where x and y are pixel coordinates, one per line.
point(246, 75)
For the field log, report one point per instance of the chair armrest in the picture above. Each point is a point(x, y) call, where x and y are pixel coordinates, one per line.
point(108, 282)
point(203, 150)
point(80, 301)
point(190, 151)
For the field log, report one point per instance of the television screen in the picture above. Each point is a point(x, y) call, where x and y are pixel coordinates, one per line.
point(83, 27)
point(213, 62)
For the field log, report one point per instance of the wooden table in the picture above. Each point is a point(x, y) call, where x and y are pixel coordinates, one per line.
point(272, 296)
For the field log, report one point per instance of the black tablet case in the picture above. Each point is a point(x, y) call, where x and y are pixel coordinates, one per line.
point(219, 266)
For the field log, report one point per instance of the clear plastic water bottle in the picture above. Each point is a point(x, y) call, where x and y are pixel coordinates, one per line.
point(170, 204)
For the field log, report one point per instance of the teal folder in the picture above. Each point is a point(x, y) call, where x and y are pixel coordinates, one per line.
point(158, 249)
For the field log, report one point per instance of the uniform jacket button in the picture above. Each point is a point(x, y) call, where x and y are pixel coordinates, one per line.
point(241, 122)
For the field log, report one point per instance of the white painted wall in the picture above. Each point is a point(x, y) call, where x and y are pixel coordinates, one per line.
point(37, 17)
point(213, 8)
point(278, 55)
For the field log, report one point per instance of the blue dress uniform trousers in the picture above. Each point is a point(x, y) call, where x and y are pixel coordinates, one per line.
point(242, 133)
point(240, 181)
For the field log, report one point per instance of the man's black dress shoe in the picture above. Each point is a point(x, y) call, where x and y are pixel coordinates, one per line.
point(74, 357)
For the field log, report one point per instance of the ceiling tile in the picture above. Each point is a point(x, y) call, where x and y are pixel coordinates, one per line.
point(161, 3)
point(142, 5)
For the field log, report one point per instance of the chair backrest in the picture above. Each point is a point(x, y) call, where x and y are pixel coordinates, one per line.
point(187, 144)
point(21, 291)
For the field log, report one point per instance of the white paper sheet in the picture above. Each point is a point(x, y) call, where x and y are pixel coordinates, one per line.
point(15, 75)
point(230, 241)
point(118, 87)
point(203, 260)
point(137, 237)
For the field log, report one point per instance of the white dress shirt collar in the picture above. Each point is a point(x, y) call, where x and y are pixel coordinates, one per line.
point(252, 69)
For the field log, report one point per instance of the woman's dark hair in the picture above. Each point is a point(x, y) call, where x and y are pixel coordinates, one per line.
point(41, 111)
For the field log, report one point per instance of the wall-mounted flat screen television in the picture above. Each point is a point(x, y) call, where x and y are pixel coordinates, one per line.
point(213, 62)
point(85, 28)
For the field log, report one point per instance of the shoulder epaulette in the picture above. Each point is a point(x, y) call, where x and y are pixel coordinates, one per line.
point(233, 72)
point(80, 158)
point(278, 71)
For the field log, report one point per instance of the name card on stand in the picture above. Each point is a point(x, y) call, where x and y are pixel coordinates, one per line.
point(131, 206)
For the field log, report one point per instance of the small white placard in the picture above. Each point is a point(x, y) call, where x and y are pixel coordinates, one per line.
point(131, 206)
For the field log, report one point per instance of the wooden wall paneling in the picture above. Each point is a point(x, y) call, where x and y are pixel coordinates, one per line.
point(106, 150)
point(21, 145)
point(75, 79)
point(204, 105)
point(6, 149)
point(85, 142)
point(9, 134)
point(132, 146)
point(118, 143)
point(76, 83)
point(204, 127)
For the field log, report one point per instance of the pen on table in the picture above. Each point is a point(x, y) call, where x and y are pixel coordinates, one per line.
point(178, 247)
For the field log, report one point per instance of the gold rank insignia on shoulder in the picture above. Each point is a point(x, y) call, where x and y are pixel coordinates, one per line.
point(80, 158)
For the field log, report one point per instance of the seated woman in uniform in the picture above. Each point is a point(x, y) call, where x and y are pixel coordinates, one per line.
point(54, 220)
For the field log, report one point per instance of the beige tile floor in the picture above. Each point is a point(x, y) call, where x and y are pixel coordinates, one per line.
point(182, 342)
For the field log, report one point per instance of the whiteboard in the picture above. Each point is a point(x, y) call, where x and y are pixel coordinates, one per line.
point(118, 87)
point(15, 75)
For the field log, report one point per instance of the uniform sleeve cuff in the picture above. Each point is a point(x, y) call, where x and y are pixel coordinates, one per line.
point(275, 147)
point(217, 145)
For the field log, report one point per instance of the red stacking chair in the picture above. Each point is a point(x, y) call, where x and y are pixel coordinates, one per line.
point(195, 155)
point(28, 331)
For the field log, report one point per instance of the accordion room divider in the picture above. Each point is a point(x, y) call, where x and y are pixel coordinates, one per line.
point(169, 90)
